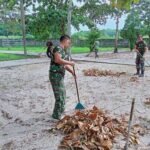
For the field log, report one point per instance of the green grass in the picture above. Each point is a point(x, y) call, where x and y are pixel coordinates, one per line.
point(20, 48)
point(75, 50)
point(11, 37)
point(6, 57)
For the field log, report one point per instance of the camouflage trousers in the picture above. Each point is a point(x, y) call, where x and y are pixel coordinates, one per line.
point(140, 63)
point(96, 53)
point(57, 82)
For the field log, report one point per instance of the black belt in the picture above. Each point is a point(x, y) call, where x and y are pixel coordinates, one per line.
point(60, 72)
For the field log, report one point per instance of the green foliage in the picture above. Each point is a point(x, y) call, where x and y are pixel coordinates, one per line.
point(51, 17)
point(132, 28)
point(123, 4)
point(97, 11)
point(94, 35)
point(47, 23)
point(105, 34)
point(143, 8)
point(51, 20)
point(9, 18)
point(7, 57)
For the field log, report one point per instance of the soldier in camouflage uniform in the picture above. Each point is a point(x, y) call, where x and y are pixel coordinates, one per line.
point(96, 47)
point(140, 47)
point(57, 73)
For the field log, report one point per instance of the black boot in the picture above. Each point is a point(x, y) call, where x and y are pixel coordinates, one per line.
point(138, 72)
point(142, 74)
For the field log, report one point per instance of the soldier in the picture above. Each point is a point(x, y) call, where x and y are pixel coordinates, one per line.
point(96, 47)
point(140, 47)
point(57, 73)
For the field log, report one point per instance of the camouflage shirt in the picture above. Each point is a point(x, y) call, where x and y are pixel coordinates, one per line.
point(54, 67)
point(141, 46)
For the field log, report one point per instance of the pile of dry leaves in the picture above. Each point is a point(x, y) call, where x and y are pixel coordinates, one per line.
point(97, 72)
point(91, 129)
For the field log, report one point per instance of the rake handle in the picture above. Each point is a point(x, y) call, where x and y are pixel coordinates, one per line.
point(76, 84)
point(129, 124)
point(143, 58)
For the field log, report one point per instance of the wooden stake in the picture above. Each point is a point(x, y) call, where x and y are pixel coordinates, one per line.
point(129, 124)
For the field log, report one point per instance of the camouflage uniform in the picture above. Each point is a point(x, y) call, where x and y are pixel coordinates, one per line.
point(96, 47)
point(140, 46)
point(56, 76)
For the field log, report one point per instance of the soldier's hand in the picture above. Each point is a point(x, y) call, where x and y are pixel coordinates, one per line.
point(72, 63)
point(74, 75)
point(135, 50)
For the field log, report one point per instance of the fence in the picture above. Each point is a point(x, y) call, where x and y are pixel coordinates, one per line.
point(19, 42)
point(77, 42)
point(103, 43)
point(80, 43)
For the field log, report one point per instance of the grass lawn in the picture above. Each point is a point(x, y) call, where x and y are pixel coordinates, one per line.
point(75, 50)
point(6, 57)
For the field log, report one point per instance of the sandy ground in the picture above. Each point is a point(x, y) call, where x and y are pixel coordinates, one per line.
point(26, 103)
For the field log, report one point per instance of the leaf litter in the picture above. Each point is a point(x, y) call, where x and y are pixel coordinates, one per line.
point(134, 79)
point(93, 129)
point(97, 72)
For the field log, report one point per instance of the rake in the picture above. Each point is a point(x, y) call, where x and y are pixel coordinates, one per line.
point(79, 106)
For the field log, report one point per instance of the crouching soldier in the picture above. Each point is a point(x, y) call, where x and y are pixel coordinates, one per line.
point(140, 48)
point(57, 73)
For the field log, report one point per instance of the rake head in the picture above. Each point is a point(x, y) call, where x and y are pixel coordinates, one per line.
point(79, 106)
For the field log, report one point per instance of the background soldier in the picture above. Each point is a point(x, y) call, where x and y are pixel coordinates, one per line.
point(140, 47)
point(96, 47)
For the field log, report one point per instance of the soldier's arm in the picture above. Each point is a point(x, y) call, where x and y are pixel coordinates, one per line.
point(135, 48)
point(68, 68)
point(61, 61)
point(145, 47)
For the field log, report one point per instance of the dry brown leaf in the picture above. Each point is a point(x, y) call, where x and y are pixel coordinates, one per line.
point(107, 144)
point(92, 116)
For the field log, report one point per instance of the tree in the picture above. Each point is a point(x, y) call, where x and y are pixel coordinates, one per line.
point(123, 4)
point(14, 10)
point(51, 17)
point(138, 21)
point(144, 12)
point(93, 36)
point(23, 25)
point(8, 17)
point(117, 15)
point(132, 28)
point(97, 11)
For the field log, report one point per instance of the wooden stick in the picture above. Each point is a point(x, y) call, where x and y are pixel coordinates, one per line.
point(129, 124)
point(76, 84)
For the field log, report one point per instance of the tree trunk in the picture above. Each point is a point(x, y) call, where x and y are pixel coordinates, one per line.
point(149, 42)
point(69, 24)
point(116, 36)
point(6, 23)
point(23, 25)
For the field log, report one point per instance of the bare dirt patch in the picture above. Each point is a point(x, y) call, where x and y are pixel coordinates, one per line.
point(26, 103)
